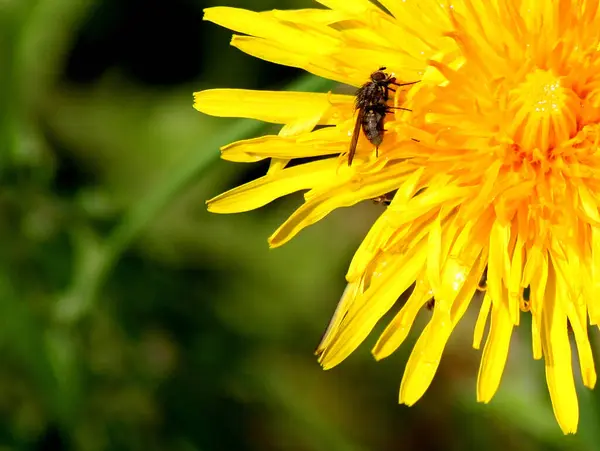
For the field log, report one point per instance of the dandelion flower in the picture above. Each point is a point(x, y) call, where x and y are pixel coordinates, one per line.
point(495, 170)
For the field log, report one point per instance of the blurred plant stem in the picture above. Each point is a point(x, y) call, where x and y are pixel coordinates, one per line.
point(32, 51)
point(96, 260)
point(45, 43)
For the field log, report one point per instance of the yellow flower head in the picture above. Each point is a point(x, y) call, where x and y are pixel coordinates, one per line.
point(495, 170)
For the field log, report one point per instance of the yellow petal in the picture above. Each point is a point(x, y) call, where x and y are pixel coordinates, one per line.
point(270, 146)
point(568, 274)
point(309, 16)
point(329, 196)
point(355, 8)
point(261, 191)
point(589, 205)
point(420, 370)
point(427, 201)
point(515, 290)
point(497, 266)
point(266, 26)
point(368, 308)
point(376, 239)
point(319, 65)
point(594, 308)
point(277, 164)
point(352, 290)
point(298, 127)
point(495, 353)
point(424, 13)
point(274, 106)
point(434, 257)
point(426, 355)
point(539, 278)
point(557, 356)
point(397, 331)
point(484, 312)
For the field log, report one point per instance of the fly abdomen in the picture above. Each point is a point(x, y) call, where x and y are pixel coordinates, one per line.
point(373, 125)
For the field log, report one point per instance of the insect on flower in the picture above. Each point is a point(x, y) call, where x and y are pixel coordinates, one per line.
point(371, 104)
point(384, 199)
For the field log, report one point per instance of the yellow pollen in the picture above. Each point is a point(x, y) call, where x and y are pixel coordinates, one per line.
point(542, 113)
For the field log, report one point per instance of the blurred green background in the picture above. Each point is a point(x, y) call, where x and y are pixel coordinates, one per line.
point(131, 319)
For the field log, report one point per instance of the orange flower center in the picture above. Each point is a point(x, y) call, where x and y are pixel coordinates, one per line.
point(545, 113)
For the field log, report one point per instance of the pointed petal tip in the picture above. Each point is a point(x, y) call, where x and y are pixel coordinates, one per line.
point(588, 375)
point(216, 102)
point(381, 350)
point(411, 391)
point(221, 206)
point(590, 380)
point(212, 206)
point(276, 241)
point(197, 101)
point(569, 429)
point(325, 364)
point(402, 400)
point(484, 398)
point(210, 11)
point(377, 356)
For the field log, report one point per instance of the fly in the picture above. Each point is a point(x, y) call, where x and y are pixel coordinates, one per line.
point(371, 105)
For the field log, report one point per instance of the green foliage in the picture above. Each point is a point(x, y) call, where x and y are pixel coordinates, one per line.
point(134, 320)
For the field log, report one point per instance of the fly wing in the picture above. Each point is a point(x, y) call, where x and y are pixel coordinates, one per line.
point(359, 97)
point(355, 135)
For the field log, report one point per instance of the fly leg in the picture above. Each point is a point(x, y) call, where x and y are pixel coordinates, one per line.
point(388, 109)
point(403, 84)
